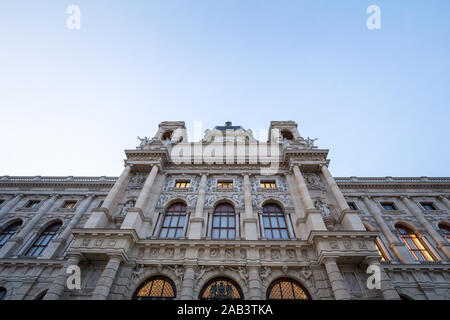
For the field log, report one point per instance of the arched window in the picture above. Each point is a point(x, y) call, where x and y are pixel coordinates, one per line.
point(274, 222)
point(221, 288)
point(156, 288)
point(444, 228)
point(2, 293)
point(287, 289)
point(414, 244)
point(224, 222)
point(126, 206)
point(9, 232)
point(43, 240)
point(174, 221)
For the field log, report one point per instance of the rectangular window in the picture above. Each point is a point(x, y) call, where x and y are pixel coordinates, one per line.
point(32, 204)
point(69, 204)
point(100, 204)
point(380, 252)
point(388, 206)
point(428, 206)
point(225, 184)
point(1, 201)
point(352, 206)
point(268, 184)
point(182, 184)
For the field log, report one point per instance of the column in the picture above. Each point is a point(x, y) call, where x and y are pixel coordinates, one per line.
point(57, 287)
point(10, 204)
point(445, 201)
point(102, 216)
point(398, 247)
point(417, 212)
point(196, 221)
point(387, 290)
point(187, 287)
point(115, 190)
point(314, 219)
point(349, 219)
point(12, 244)
point(250, 221)
point(254, 284)
point(338, 285)
point(106, 280)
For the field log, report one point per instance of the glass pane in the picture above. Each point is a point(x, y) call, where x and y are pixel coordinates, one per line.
point(273, 220)
point(166, 221)
point(215, 233)
point(231, 234)
point(171, 233)
point(231, 222)
point(276, 234)
point(284, 234)
point(223, 221)
point(174, 221)
point(268, 234)
point(216, 221)
point(282, 222)
point(223, 234)
point(266, 222)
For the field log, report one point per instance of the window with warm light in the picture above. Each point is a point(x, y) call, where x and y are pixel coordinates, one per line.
point(268, 184)
point(415, 245)
point(182, 184)
point(225, 184)
point(221, 289)
point(156, 288)
point(287, 289)
point(380, 251)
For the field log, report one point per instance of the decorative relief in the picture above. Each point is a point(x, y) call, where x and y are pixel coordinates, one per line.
point(313, 181)
point(291, 254)
point(229, 254)
point(275, 254)
point(262, 253)
point(362, 244)
point(265, 273)
point(154, 253)
point(214, 252)
point(333, 244)
point(169, 253)
point(348, 244)
point(258, 198)
point(136, 181)
point(237, 198)
point(319, 204)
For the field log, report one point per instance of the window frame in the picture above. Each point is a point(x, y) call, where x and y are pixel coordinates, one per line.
point(272, 183)
point(6, 231)
point(220, 184)
point(392, 204)
point(221, 279)
point(29, 202)
point(426, 204)
point(416, 245)
point(75, 202)
point(185, 182)
point(44, 238)
point(171, 213)
point(292, 282)
point(352, 204)
point(152, 280)
point(230, 215)
point(266, 216)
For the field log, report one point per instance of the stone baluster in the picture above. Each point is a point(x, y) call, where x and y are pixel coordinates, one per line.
point(250, 221)
point(106, 280)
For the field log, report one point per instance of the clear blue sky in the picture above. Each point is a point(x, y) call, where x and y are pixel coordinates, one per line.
point(72, 100)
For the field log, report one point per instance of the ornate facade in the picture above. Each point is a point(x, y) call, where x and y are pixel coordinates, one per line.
point(228, 217)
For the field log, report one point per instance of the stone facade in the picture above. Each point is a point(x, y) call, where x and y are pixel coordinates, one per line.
point(110, 227)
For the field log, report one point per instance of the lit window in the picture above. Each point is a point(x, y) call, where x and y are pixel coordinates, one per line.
point(388, 206)
point(225, 184)
point(173, 222)
point(352, 206)
point(43, 240)
point(182, 184)
point(268, 185)
point(224, 222)
point(9, 232)
point(414, 244)
point(156, 288)
point(445, 230)
point(380, 252)
point(32, 204)
point(274, 222)
point(221, 289)
point(428, 206)
point(69, 204)
point(287, 289)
